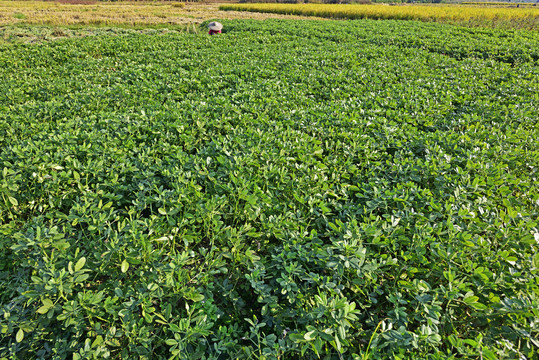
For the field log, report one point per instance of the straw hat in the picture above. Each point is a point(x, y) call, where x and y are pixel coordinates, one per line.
point(215, 26)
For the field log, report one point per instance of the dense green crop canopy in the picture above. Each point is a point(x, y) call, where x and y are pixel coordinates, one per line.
point(285, 190)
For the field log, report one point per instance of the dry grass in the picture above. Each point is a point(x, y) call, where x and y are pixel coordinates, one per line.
point(117, 13)
point(507, 17)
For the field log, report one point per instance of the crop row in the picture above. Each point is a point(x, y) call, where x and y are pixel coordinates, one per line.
point(522, 17)
point(498, 3)
point(285, 190)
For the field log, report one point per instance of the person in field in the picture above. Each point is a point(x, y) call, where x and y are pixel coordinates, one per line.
point(215, 28)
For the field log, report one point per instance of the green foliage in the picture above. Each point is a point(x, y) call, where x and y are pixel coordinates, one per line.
point(285, 190)
point(18, 15)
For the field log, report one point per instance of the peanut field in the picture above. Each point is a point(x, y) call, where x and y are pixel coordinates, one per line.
point(286, 190)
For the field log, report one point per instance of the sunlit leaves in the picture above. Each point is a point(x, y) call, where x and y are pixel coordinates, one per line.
point(321, 189)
